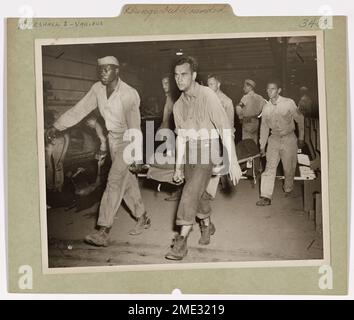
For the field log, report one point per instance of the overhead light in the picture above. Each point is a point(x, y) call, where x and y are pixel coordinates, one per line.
point(179, 53)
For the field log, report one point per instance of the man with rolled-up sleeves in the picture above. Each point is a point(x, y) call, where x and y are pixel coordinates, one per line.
point(200, 120)
point(278, 119)
point(118, 104)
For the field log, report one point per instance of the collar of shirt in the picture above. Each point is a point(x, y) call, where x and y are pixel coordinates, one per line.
point(115, 89)
point(279, 100)
point(193, 91)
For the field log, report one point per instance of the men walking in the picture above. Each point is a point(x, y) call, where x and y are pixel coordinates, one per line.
point(197, 113)
point(118, 104)
point(248, 110)
point(278, 118)
point(214, 84)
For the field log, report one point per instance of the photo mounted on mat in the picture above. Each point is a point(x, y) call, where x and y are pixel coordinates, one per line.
point(99, 212)
point(177, 146)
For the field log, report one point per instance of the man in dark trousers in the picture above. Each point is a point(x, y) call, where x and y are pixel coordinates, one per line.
point(200, 120)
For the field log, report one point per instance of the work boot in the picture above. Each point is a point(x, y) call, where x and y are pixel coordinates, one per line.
point(206, 231)
point(142, 223)
point(288, 194)
point(264, 202)
point(179, 249)
point(98, 238)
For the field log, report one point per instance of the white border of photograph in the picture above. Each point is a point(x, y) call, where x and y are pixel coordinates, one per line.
point(179, 266)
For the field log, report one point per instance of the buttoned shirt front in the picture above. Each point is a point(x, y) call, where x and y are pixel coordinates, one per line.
point(120, 111)
point(202, 111)
point(279, 117)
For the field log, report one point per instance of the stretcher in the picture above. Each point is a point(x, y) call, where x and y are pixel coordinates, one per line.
point(248, 157)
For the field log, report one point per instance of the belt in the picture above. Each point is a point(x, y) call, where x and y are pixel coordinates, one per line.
point(249, 119)
point(282, 135)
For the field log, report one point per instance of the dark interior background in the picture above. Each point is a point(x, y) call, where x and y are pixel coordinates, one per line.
point(70, 70)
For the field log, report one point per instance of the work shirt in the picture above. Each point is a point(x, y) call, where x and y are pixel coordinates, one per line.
point(251, 105)
point(200, 109)
point(280, 117)
point(120, 111)
point(228, 106)
point(167, 112)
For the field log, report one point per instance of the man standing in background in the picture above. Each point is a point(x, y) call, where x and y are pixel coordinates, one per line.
point(305, 102)
point(278, 118)
point(214, 83)
point(248, 110)
point(168, 123)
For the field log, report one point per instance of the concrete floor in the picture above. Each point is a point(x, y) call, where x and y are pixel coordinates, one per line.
point(244, 232)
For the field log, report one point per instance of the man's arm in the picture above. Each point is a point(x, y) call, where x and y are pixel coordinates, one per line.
point(131, 104)
point(94, 124)
point(264, 133)
point(221, 122)
point(230, 111)
point(74, 115)
point(299, 119)
point(240, 106)
point(180, 149)
point(262, 103)
point(167, 111)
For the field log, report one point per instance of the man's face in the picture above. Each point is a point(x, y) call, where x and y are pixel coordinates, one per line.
point(184, 76)
point(166, 85)
point(107, 73)
point(213, 84)
point(303, 91)
point(273, 90)
point(247, 88)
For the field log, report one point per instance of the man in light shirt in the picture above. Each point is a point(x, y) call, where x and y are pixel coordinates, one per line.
point(118, 104)
point(197, 110)
point(278, 119)
point(214, 84)
point(248, 110)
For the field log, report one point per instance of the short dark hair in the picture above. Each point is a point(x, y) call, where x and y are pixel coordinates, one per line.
point(166, 76)
point(216, 77)
point(190, 60)
point(277, 82)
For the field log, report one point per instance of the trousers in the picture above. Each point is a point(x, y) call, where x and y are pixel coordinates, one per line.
point(194, 200)
point(121, 185)
point(282, 148)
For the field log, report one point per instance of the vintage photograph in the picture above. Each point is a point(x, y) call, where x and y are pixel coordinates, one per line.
point(182, 151)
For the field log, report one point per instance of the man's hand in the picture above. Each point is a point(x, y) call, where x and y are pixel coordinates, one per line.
point(101, 156)
point(235, 172)
point(178, 176)
point(50, 134)
point(300, 144)
point(263, 152)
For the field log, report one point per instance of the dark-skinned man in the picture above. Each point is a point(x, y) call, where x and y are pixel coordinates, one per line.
point(118, 104)
point(278, 119)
